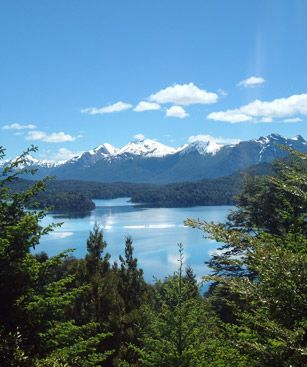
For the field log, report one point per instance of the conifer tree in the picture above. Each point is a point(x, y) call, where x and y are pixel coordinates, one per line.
point(133, 292)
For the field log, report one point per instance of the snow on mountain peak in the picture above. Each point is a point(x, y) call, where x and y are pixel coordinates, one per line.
point(104, 149)
point(202, 147)
point(30, 161)
point(269, 139)
point(299, 138)
point(147, 148)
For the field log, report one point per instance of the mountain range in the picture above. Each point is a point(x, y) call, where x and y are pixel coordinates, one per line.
point(150, 161)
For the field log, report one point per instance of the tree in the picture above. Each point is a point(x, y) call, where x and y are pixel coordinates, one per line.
point(275, 204)
point(181, 330)
point(96, 270)
point(95, 247)
point(34, 326)
point(133, 293)
point(263, 266)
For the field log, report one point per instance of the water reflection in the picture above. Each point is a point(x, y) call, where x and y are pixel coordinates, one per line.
point(155, 232)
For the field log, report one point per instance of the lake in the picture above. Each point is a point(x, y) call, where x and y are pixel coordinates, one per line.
point(155, 233)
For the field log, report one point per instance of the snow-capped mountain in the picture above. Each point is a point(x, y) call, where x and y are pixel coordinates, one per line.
point(270, 144)
point(146, 148)
point(201, 147)
point(150, 161)
point(89, 158)
point(31, 161)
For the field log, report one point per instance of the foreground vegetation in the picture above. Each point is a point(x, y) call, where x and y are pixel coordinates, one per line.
point(63, 311)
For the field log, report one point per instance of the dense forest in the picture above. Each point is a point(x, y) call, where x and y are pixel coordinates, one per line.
point(219, 191)
point(74, 195)
point(63, 311)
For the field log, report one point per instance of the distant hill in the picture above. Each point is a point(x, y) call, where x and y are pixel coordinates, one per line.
point(75, 195)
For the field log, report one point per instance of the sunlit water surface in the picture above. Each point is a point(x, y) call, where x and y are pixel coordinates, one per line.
point(155, 233)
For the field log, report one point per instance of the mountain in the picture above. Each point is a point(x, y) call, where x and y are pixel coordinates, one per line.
point(145, 148)
point(201, 147)
point(146, 160)
point(87, 159)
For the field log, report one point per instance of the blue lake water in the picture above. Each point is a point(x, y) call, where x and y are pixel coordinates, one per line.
point(155, 233)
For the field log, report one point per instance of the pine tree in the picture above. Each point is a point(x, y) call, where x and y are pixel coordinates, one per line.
point(133, 292)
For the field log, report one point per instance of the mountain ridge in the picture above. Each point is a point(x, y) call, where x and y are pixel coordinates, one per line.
point(145, 160)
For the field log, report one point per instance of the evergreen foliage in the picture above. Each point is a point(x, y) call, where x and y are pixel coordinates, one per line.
point(261, 268)
point(68, 312)
point(34, 325)
point(181, 329)
point(73, 195)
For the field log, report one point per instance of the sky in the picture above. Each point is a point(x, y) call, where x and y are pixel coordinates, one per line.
point(75, 74)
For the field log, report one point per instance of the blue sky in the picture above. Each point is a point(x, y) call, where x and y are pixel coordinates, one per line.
point(73, 72)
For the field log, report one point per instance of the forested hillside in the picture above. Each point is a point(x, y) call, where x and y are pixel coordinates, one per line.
point(72, 195)
point(220, 191)
point(63, 311)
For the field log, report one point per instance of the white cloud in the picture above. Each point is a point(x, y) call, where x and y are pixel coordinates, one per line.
point(210, 138)
point(63, 154)
point(231, 116)
point(146, 106)
point(251, 82)
point(184, 94)
point(176, 111)
point(116, 107)
point(222, 92)
point(139, 137)
point(266, 119)
point(293, 120)
point(265, 111)
point(49, 138)
point(17, 126)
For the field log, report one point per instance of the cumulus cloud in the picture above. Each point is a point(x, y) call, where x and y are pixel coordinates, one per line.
point(251, 82)
point(222, 92)
point(265, 111)
point(266, 119)
point(17, 126)
point(184, 95)
point(63, 154)
point(146, 106)
point(210, 138)
point(116, 107)
point(293, 120)
point(231, 116)
point(139, 137)
point(176, 111)
point(49, 138)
